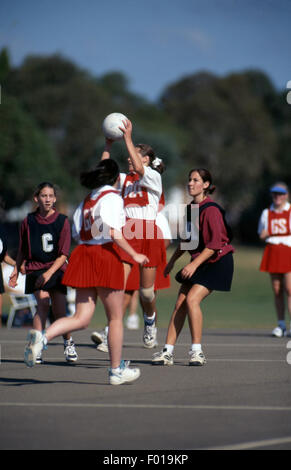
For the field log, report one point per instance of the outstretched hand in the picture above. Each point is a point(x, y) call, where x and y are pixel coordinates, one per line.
point(127, 129)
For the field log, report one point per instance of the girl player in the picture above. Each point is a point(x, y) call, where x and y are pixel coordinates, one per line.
point(45, 239)
point(210, 268)
point(95, 268)
point(275, 229)
point(141, 190)
point(8, 260)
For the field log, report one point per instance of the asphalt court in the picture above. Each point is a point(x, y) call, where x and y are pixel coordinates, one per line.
point(241, 399)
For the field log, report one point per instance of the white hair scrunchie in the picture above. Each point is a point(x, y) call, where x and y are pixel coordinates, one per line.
point(156, 162)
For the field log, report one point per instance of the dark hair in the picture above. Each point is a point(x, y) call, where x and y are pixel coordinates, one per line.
point(43, 185)
point(147, 150)
point(206, 176)
point(106, 172)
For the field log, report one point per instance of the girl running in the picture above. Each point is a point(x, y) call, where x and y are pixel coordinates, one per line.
point(95, 268)
point(275, 229)
point(45, 239)
point(210, 268)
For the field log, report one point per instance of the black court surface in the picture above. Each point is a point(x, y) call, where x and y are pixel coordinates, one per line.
point(241, 399)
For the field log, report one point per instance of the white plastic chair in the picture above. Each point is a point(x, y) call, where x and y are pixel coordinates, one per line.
point(18, 298)
point(19, 302)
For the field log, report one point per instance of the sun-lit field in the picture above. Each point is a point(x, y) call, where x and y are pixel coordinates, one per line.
point(248, 305)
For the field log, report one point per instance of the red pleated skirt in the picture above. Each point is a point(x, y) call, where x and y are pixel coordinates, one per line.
point(95, 266)
point(161, 282)
point(146, 238)
point(276, 259)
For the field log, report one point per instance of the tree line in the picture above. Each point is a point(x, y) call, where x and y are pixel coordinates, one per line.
point(237, 126)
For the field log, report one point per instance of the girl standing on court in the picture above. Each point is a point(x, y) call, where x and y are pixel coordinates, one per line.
point(141, 190)
point(95, 268)
point(210, 268)
point(45, 239)
point(275, 229)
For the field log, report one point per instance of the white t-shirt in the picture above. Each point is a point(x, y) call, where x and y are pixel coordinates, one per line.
point(264, 223)
point(108, 212)
point(141, 195)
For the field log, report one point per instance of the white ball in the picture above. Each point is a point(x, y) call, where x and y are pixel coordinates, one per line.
point(111, 125)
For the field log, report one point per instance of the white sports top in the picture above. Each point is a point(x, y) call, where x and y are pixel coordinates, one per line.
point(264, 223)
point(96, 218)
point(141, 195)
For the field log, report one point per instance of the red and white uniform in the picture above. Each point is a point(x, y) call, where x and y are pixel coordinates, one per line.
point(141, 196)
point(96, 261)
point(277, 253)
point(161, 281)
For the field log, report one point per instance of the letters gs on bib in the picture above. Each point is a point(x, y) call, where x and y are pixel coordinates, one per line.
point(279, 227)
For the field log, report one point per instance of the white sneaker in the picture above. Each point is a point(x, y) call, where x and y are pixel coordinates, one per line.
point(132, 322)
point(278, 332)
point(150, 336)
point(103, 347)
point(101, 340)
point(39, 359)
point(197, 358)
point(34, 347)
point(124, 375)
point(70, 351)
point(163, 358)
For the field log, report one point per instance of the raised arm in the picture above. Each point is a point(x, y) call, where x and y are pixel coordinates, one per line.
point(133, 154)
point(107, 149)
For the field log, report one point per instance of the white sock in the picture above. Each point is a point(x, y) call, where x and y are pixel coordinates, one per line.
point(196, 347)
point(169, 348)
point(106, 330)
point(149, 320)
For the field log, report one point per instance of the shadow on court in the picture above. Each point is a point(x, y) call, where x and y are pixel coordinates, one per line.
point(240, 399)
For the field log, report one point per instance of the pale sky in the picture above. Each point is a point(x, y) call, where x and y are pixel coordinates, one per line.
point(153, 42)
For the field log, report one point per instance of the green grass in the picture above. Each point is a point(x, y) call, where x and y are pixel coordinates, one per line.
point(248, 305)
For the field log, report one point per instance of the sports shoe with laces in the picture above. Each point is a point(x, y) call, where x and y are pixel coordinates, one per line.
point(163, 358)
point(150, 336)
point(100, 339)
point(279, 332)
point(197, 358)
point(33, 348)
point(124, 374)
point(70, 351)
point(132, 322)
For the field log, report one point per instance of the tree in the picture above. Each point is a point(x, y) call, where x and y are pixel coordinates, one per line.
point(4, 64)
point(26, 155)
point(228, 131)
